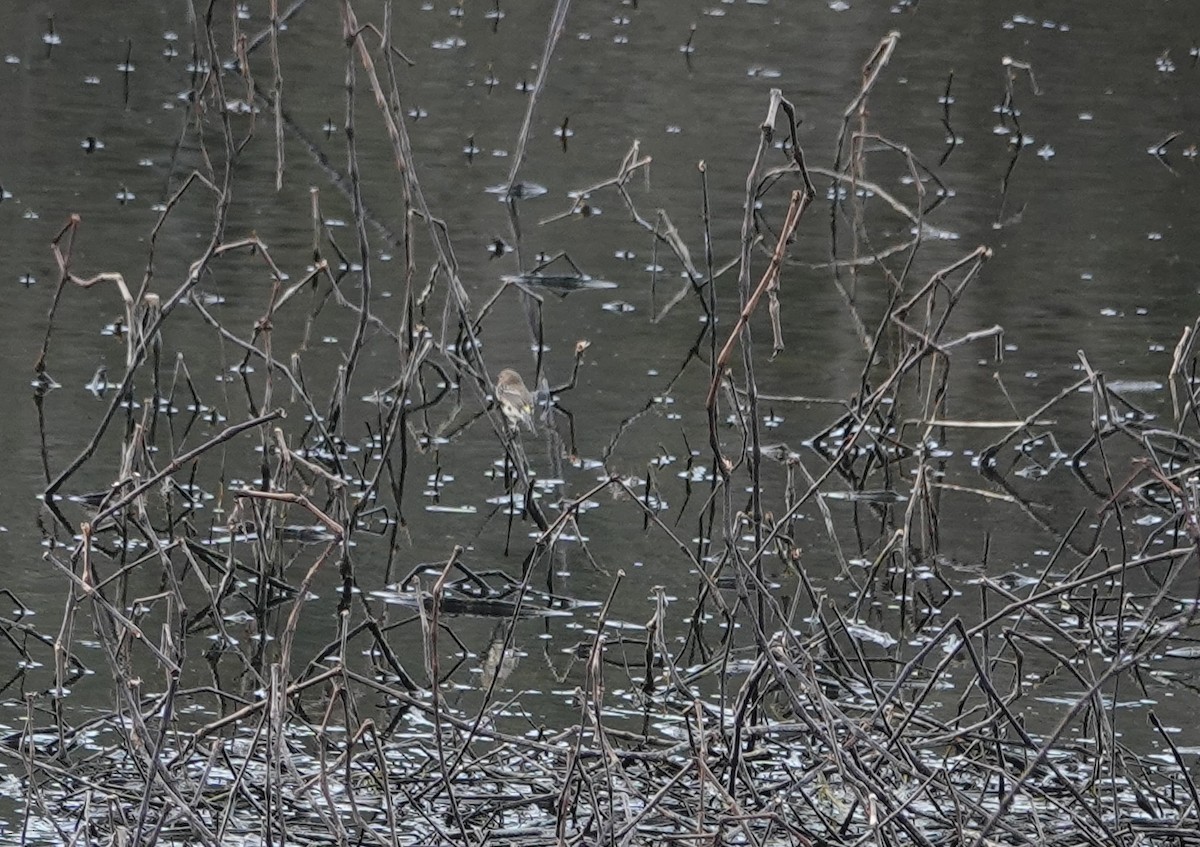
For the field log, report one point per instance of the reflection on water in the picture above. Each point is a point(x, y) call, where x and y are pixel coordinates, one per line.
point(973, 461)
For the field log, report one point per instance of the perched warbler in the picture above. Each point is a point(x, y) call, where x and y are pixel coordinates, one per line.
point(514, 398)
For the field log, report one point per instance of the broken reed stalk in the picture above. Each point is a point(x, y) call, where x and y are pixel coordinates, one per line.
point(770, 279)
point(856, 171)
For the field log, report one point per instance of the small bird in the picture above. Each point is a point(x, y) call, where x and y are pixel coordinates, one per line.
point(514, 398)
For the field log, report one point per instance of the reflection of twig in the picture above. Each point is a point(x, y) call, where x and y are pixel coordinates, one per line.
point(951, 136)
point(1008, 110)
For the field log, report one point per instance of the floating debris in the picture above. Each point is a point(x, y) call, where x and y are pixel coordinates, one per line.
point(862, 632)
point(557, 283)
point(451, 510)
point(519, 190)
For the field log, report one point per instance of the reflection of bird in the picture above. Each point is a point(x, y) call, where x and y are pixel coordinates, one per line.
point(514, 398)
point(498, 663)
